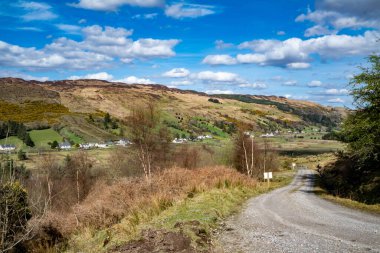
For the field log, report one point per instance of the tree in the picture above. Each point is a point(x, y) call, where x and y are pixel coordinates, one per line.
point(361, 129)
point(21, 155)
point(355, 174)
point(253, 158)
point(150, 137)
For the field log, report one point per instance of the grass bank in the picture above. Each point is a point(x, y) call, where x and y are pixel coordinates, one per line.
point(115, 215)
point(345, 201)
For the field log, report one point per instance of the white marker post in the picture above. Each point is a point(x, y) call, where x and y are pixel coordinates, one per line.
point(268, 176)
point(293, 165)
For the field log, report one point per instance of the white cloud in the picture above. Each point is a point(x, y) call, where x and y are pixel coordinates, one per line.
point(337, 92)
point(5, 73)
point(71, 29)
point(220, 44)
point(183, 10)
point(280, 33)
point(295, 53)
point(210, 76)
point(181, 83)
point(318, 30)
point(335, 100)
point(290, 83)
point(222, 59)
point(177, 72)
point(145, 16)
point(298, 65)
point(99, 48)
point(37, 11)
point(219, 92)
point(314, 83)
point(113, 5)
point(288, 95)
point(98, 76)
point(335, 15)
point(135, 80)
point(253, 85)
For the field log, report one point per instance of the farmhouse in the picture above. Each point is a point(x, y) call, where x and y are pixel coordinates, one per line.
point(7, 148)
point(123, 142)
point(65, 146)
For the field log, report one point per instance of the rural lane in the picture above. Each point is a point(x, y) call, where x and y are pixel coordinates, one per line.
point(294, 219)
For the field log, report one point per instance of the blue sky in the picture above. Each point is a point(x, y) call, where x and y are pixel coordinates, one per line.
point(293, 48)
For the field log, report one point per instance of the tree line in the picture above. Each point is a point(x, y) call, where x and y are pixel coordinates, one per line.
point(12, 128)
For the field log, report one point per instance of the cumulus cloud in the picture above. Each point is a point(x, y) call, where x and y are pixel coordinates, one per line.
point(314, 83)
point(181, 83)
point(70, 29)
point(226, 77)
point(290, 83)
point(135, 80)
point(335, 100)
point(113, 5)
point(219, 92)
point(37, 11)
point(220, 44)
point(98, 76)
point(223, 59)
point(6, 73)
point(100, 47)
point(184, 10)
point(295, 53)
point(177, 73)
point(336, 92)
point(335, 15)
point(280, 33)
point(253, 85)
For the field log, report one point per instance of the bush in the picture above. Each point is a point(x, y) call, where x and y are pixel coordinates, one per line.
point(14, 215)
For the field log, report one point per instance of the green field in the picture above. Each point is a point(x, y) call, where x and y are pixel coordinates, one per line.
point(42, 137)
point(71, 136)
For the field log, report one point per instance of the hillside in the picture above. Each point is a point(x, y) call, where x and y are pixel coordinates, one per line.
point(79, 106)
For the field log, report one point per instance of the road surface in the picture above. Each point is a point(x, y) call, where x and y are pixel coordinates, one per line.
point(294, 219)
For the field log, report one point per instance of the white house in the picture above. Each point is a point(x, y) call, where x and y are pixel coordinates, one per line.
point(7, 148)
point(65, 146)
point(179, 140)
point(123, 142)
point(267, 135)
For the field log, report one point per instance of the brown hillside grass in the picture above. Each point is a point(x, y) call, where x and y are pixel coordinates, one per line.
point(107, 204)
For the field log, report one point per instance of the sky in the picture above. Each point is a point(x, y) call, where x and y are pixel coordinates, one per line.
point(300, 49)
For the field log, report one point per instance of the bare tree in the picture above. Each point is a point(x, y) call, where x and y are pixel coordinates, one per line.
point(253, 159)
point(149, 137)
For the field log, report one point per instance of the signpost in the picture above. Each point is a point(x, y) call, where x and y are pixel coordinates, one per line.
point(268, 176)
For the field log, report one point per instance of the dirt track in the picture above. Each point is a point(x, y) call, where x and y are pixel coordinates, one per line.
point(294, 219)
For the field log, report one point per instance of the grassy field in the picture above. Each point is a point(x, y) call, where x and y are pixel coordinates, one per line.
point(71, 136)
point(14, 141)
point(42, 137)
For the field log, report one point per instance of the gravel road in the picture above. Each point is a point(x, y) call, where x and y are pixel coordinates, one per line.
point(294, 219)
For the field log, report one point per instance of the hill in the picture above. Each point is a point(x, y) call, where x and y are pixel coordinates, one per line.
point(77, 108)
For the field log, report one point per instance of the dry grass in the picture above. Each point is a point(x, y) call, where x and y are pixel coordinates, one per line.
point(135, 200)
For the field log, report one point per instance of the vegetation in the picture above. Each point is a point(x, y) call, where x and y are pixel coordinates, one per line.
point(12, 128)
point(31, 111)
point(356, 174)
point(41, 138)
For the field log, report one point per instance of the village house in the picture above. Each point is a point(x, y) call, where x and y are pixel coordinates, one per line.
point(7, 148)
point(64, 145)
point(123, 142)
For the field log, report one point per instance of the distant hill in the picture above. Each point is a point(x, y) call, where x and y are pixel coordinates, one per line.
point(77, 108)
